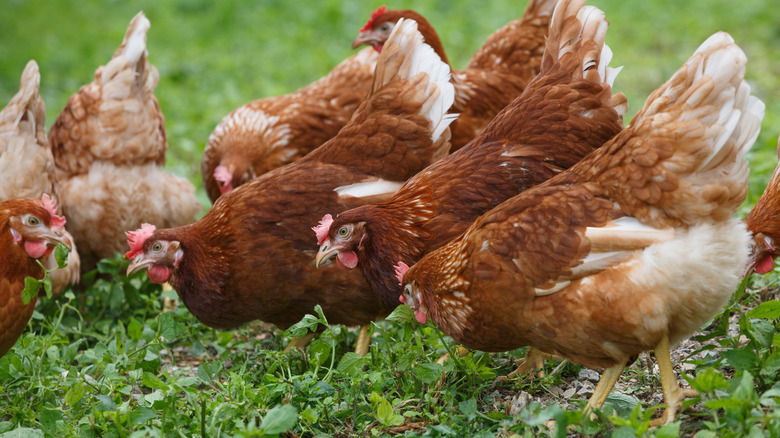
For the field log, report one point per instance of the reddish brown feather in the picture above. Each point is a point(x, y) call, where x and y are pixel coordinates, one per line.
point(561, 116)
point(15, 267)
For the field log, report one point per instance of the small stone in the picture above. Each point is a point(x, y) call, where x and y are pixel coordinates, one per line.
point(586, 390)
point(588, 374)
point(519, 402)
point(569, 393)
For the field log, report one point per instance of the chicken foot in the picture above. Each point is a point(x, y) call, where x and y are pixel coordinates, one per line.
point(532, 361)
point(673, 394)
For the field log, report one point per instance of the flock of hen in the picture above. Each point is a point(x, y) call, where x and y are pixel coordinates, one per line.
point(553, 226)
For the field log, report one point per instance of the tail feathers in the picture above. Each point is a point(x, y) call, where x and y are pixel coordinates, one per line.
point(539, 8)
point(682, 159)
point(134, 44)
point(27, 103)
point(406, 55)
point(577, 34)
point(129, 64)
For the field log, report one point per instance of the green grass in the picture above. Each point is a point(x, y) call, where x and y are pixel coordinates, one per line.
point(109, 362)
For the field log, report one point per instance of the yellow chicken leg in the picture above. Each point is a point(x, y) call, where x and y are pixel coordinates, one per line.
point(605, 385)
point(300, 343)
point(363, 341)
point(673, 394)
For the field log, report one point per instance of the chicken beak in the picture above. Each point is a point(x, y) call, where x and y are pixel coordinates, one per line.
point(366, 37)
point(138, 264)
point(325, 253)
point(55, 237)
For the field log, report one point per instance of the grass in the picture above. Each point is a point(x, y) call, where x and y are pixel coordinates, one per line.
point(110, 362)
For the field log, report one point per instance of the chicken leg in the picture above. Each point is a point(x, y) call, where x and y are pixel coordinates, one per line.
point(300, 342)
point(605, 385)
point(363, 341)
point(673, 394)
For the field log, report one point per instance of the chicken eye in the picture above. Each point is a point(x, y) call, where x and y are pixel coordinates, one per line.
point(157, 247)
point(343, 231)
point(32, 220)
point(408, 293)
point(384, 27)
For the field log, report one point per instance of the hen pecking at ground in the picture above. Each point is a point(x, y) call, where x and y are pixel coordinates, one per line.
point(252, 255)
point(633, 249)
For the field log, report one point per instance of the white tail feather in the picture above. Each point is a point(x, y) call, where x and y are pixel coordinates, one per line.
point(423, 59)
point(135, 40)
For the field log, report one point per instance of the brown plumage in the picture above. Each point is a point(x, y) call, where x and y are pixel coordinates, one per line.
point(26, 163)
point(29, 231)
point(109, 146)
point(496, 74)
point(251, 256)
point(764, 223)
point(563, 114)
point(268, 133)
point(632, 249)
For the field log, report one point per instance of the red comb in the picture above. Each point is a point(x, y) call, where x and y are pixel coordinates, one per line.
point(222, 174)
point(400, 270)
point(137, 238)
point(51, 206)
point(322, 229)
point(374, 16)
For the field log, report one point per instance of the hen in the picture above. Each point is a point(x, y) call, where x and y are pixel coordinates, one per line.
point(496, 74)
point(26, 164)
point(251, 256)
point(29, 231)
point(109, 144)
point(763, 222)
point(563, 114)
point(269, 133)
point(632, 249)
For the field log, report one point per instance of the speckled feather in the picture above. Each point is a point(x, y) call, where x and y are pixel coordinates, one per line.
point(764, 223)
point(252, 255)
point(497, 73)
point(487, 288)
point(27, 164)
point(16, 266)
point(563, 114)
point(271, 132)
point(109, 145)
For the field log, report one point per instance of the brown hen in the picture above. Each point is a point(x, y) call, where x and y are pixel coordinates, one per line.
point(632, 249)
point(763, 222)
point(26, 163)
point(563, 114)
point(251, 256)
point(29, 231)
point(268, 133)
point(496, 74)
point(109, 144)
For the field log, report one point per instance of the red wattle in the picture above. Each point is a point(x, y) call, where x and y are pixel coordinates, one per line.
point(36, 248)
point(765, 265)
point(158, 274)
point(420, 316)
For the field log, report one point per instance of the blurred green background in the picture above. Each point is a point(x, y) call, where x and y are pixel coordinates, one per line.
point(215, 56)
